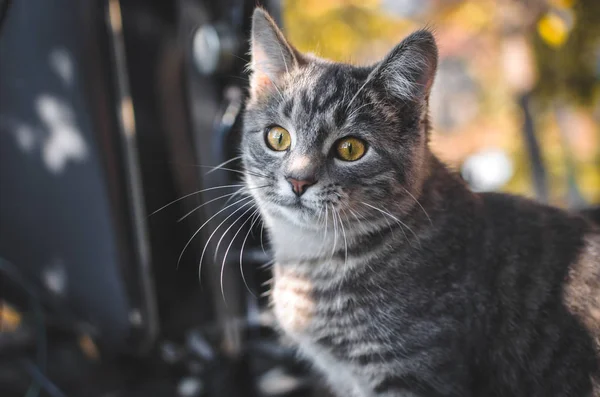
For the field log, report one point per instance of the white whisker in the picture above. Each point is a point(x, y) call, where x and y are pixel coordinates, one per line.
point(229, 247)
point(223, 164)
point(242, 172)
point(208, 202)
point(246, 191)
point(204, 224)
point(278, 90)
point(358, 92)
point(334, 231)
point(256, 218)
point(419, 204)
point(355, 111)
point(228, 229)
point(267, 264)
point(345, 242)
point(216, 229)
point(198, 192)
point(355, 215)
point(326, 226)
point(397, 220)
point(262, 227)
point(283, 58)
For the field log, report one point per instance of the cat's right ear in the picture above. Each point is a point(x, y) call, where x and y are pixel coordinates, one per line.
point(408, 71)
point(272, 55)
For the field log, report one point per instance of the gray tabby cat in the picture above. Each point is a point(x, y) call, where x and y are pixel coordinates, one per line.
point(390, 275)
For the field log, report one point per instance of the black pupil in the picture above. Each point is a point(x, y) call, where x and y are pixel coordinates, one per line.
point(349, 145)
point(279, 138)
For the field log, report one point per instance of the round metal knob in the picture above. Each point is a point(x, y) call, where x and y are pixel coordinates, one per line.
point(214, 48)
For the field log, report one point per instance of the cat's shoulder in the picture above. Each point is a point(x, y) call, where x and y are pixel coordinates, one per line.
point(527, 212)
point(552, 232)
point(516, 203)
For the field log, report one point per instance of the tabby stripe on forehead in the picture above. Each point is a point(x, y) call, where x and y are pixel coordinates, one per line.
point(305, 100)
point(340, 115)
point(288, 107)
point(326, 90)
point(318, 103)
point(324, 103)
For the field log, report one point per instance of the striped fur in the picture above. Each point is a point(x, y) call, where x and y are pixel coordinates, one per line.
point(391, 276)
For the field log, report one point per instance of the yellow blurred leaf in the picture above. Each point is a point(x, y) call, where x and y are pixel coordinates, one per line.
point(553, 29)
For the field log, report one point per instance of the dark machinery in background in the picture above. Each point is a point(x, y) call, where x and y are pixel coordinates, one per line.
point(109, 111)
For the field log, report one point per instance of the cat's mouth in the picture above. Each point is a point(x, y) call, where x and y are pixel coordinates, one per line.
point(297, 212)
point(298, 205)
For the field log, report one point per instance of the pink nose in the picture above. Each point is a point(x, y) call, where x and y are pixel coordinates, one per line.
point(300, 186)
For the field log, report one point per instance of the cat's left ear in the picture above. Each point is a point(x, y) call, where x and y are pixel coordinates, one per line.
point(408, 71)
point(272, 55)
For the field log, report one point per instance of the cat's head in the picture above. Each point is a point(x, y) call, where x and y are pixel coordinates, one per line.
point(323, 138)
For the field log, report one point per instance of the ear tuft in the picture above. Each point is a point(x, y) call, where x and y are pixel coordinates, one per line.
point(408, 70)
point(272, 55)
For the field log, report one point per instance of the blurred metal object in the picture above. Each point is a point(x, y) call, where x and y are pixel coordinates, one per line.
point(147, 314)
point(198, 345)
point(277, 382)
point(171, 353)
point(55, 278)
point(538, 170)
point(487, 170)
point(190, 387)
point(213, 113)
point(214, 47)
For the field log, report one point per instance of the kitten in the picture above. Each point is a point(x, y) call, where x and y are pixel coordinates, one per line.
point(390, 275)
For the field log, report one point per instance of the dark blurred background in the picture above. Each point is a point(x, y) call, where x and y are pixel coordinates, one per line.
point(114, 115)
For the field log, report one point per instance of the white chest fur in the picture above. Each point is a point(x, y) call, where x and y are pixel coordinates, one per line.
point(293, 301)
point(295, 309)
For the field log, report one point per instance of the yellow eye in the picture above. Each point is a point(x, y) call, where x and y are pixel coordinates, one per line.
point(350, 149)
point(278, 138)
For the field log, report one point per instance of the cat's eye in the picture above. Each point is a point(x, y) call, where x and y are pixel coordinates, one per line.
point(278, 138)
point(350, 149)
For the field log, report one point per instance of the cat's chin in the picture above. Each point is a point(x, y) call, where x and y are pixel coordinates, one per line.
point(298, 216)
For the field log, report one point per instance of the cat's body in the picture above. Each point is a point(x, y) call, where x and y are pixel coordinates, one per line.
point(390, 275)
